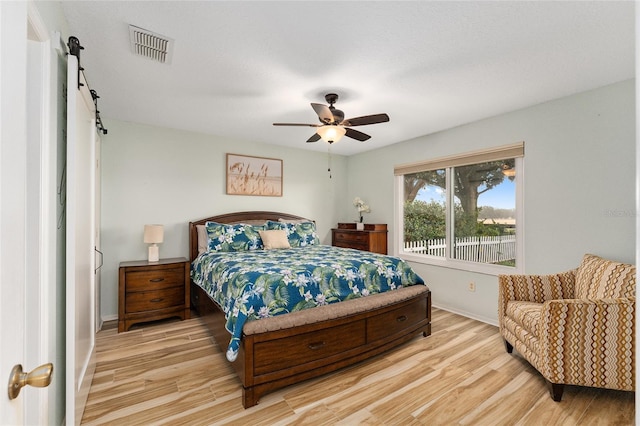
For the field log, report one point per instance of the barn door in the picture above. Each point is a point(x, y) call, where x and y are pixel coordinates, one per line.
point(80, 236)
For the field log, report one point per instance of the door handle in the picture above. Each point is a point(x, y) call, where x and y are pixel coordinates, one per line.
point(101, 259)
point(40, 377)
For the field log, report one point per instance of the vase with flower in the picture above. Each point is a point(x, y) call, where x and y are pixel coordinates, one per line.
point(362, 207)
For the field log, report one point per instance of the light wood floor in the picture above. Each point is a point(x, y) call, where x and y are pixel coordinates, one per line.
point(174, 373)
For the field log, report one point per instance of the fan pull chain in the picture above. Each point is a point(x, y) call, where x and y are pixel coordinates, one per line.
point(329, 161)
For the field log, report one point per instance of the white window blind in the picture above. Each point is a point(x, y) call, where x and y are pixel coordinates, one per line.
point(482, 156)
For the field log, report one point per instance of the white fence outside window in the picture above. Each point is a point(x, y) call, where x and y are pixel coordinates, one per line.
point(482, 249)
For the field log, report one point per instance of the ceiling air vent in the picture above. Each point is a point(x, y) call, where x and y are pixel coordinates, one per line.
point(151, 45)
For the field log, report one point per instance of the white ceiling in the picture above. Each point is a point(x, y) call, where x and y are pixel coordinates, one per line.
point(240, 66)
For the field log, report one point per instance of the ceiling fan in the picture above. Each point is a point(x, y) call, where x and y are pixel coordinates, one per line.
point(333, 125)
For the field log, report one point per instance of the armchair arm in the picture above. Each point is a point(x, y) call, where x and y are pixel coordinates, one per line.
point(589, 342)
point(534, 288)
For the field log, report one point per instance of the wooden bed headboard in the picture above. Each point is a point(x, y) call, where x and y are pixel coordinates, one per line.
point(252, 217)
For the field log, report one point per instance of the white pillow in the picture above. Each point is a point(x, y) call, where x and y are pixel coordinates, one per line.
point(274, 239)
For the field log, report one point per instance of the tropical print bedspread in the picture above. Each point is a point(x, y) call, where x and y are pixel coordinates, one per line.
point(251, 285)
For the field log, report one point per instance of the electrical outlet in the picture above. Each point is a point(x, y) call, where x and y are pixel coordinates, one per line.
point(472, 286)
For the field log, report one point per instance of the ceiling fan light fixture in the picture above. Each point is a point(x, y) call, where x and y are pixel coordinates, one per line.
point(333, 125)
point(331, 133)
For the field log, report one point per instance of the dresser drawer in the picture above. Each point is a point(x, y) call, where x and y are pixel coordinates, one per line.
point(155, 299)
point(281, 354)
point(352, 237)
point(353, 245)
point(389, 323)
point(154, 279)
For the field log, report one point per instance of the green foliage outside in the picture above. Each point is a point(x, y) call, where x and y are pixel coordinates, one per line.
point(423, 221)
point(426, 221)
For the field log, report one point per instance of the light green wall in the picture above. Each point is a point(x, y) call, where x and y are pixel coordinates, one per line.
point(579, 188)
point(171, 177)
point(579, 179)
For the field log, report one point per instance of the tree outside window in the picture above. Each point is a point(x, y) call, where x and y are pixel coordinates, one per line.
point(478, 198)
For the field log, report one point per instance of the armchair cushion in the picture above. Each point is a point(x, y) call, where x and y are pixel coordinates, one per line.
point(598, 278)
point(526, 315)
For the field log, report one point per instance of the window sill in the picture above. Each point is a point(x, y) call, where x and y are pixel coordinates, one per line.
point(481, 268)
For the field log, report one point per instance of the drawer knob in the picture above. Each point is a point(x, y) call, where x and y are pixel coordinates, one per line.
point(401, 318)
point(157, 299)
point(156, 280)
point(315, 346)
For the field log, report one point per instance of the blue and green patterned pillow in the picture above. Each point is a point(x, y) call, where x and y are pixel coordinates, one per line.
point(236, 237)
point(299, 234)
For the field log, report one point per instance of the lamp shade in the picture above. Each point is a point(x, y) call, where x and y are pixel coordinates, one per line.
point(153, 234)
point(331, 133)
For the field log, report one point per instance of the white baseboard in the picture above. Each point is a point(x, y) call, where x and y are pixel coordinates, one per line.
point(490, 321)
point(110, 318)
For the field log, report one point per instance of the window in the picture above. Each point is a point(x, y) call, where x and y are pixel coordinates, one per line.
point(463, 211)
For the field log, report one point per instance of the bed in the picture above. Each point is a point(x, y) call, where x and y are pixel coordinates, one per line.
point(288, 344)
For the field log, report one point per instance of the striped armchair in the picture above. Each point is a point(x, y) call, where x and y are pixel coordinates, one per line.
point(576, 327)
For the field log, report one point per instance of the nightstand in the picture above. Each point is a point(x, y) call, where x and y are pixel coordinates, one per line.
point(373, 238)
point(149, 291)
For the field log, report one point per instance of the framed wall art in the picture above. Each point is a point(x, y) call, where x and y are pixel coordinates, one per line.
point(247, 175)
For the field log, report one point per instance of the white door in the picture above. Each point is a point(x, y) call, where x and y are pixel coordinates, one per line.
point(24, 223)
point(12, 199)
point(80, 297)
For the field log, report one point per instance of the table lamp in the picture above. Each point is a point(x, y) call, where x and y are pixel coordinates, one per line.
point(153, 234)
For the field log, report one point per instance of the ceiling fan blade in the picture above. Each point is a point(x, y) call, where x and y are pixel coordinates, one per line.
point(297, 124)
point(366, 119)
point(314, 138)
point(324, 113)
point(355, 134)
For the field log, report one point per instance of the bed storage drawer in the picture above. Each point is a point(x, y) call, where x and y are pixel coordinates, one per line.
point(283, 353)
point(397, 320)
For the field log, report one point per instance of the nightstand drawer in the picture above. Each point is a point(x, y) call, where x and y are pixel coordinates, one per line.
point(151, 300)
point(154, 279)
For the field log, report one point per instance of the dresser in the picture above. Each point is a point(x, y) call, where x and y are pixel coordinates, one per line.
point(149, 291)
point(373, 238)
